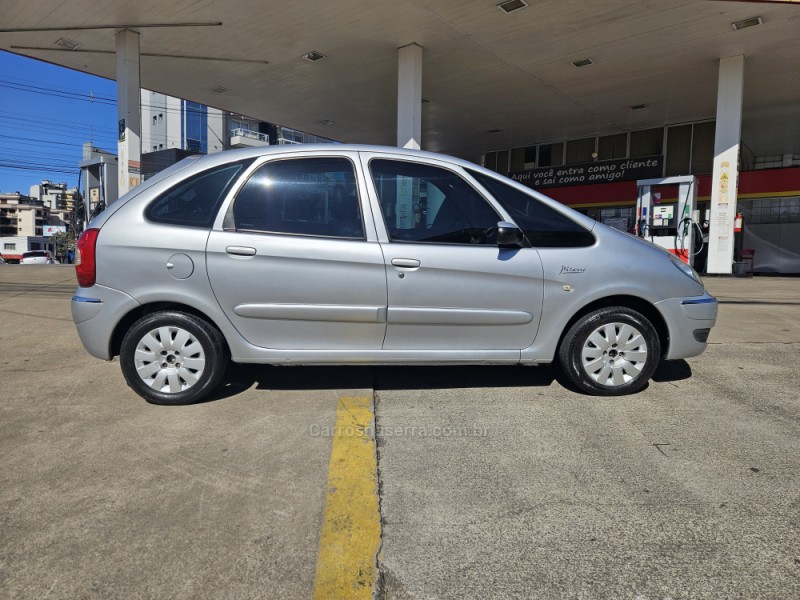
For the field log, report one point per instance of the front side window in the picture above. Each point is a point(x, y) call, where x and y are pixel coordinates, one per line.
point(305, 196)
point(195, 201)
point(543, 226)
point(422, 203)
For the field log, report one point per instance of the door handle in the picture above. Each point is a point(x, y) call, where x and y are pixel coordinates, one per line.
point(407, 263)
point(241, 250)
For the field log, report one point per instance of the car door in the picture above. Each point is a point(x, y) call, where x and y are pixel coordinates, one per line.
point(295, 264)
point(450, 287)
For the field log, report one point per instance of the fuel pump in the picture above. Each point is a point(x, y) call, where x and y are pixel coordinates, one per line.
point(673, 227)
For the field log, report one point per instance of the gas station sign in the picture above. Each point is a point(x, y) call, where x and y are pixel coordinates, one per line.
point(602, 171)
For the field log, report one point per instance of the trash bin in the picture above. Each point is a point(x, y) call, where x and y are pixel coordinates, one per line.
point(742, 269)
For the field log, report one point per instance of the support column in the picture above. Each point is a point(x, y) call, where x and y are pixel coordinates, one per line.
point(129, 114)
point(726, 164)
point(409, 96)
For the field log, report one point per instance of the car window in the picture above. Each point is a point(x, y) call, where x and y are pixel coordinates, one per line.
point(195, 201)
point(543, 226)
point(305, 196)
point(33, 254)
point(423, 203)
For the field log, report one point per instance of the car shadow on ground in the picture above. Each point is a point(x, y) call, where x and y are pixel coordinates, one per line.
point(672, 370)
point(241, 377)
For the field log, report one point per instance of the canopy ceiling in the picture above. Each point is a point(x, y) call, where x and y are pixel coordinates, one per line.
point(483, 69)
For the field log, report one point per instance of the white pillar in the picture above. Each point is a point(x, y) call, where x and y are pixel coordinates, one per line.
point(409, 96)
point(129, 147)
point(726, 164)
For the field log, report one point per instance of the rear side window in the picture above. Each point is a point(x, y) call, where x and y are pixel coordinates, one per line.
point(34, 254)
point(543, 226)
point(304, 196)
point(195, 201)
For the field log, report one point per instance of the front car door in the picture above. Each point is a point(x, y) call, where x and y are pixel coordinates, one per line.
point(450, 287)
point(295, 263)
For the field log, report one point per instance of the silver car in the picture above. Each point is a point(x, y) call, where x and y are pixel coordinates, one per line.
point(311, 255)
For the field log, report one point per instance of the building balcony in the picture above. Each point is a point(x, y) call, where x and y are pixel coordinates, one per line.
point(245, 138)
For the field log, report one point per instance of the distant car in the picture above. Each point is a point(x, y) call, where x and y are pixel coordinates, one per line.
point(370, 255)
point(2, 260)
point(37, 257)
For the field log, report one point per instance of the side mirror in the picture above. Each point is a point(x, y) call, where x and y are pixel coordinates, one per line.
point(509, 235)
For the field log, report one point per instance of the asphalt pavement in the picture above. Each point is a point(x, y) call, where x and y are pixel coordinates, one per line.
point(493, 482)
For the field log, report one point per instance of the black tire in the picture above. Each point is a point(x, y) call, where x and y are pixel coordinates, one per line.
point(615, 361)
point(191, 361)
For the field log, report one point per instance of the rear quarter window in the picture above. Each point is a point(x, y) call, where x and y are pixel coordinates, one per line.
point(194, 202)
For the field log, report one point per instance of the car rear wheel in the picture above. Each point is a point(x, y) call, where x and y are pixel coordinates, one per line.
point(610, 352)
point(170, 357)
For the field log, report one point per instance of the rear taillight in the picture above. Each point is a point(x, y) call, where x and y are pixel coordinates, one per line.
point(85, 265)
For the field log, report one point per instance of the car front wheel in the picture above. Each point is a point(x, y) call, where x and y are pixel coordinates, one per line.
point(171, 357)
point(610, 352)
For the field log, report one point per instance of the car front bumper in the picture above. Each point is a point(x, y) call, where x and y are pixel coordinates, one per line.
point(689, 322)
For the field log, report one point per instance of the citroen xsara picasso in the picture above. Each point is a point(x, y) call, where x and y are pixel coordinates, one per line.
point(370, 255)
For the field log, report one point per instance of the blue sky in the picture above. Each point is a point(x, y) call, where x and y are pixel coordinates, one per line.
point(46, 114)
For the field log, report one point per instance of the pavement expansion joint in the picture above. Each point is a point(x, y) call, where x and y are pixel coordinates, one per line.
point(380, 579)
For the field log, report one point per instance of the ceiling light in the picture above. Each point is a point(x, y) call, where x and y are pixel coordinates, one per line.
point(314, 56)
point(746, 23)
point(67, 43)
point(326, 122)
point(512, 5)
point(219, 89)
point(494, 131)
point(638, 106)
point(582, 63)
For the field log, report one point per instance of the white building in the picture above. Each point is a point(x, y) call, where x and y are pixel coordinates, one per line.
point(173, 123)
point(61, 202)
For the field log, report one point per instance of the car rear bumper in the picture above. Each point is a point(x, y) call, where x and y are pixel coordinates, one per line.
point(689, 322)
point(96, 312)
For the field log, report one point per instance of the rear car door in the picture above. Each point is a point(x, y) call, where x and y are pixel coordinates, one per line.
point(450, 286)
point(295, 263)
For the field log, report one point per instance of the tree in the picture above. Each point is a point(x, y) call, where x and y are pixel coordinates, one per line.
point(64, 243)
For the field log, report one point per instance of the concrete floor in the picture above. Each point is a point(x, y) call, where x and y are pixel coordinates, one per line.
point(495, 482)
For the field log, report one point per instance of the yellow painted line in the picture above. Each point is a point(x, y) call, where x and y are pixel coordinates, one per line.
point(351, 528)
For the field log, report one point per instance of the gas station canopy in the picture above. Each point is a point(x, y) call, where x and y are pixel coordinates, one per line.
point(490, 78)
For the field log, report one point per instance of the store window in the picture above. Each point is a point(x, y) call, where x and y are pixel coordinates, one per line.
point(703, 148)
point(518, 159)
point(490, 161)
point(769, 211)
point(502, 162)
point(679, 150)
point(530, 157)
point(580, 151)
point(551, 155)
point(612, 146)
point(647, 142)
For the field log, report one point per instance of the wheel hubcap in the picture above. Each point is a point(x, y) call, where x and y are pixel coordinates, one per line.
point(614, 354)
point(169, 359)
